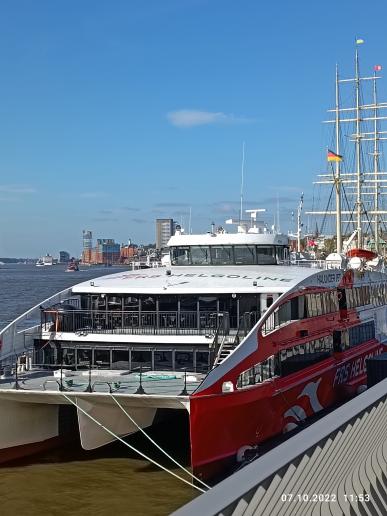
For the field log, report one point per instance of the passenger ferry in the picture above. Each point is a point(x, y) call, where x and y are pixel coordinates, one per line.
point(230, 334)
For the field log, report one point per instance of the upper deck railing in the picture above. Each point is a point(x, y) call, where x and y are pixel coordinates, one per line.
point(56, 319)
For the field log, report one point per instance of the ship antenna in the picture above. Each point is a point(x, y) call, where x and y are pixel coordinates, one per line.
point(337, 180)
point(242, 178)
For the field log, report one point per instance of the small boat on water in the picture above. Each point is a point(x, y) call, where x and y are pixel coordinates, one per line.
point(45, 261)
point(72, 266)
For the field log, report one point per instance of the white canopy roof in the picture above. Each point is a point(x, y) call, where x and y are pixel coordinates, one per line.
point(203, 279)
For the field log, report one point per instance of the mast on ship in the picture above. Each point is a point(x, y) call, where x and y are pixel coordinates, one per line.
point(337, 167)
point(359, 180)
point(299, 223)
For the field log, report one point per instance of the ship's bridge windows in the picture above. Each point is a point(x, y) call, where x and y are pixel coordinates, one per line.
point(222, 255)
point(180, 255)
point(266, 255)
point(229, 255)
point(245, 254)
point(200, 255)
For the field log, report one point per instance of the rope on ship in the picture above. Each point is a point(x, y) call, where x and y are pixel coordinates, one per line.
point(118, 438)
point(158, 446)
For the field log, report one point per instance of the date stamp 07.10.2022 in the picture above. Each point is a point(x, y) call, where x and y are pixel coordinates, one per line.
point(324, 497)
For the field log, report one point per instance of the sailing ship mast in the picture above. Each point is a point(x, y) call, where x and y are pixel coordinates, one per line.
point(337, 167)
point(360, 180)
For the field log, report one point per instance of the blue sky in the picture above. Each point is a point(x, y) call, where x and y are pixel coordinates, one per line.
point(115, 113)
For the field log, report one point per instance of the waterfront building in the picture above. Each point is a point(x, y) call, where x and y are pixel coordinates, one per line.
point(128, 252)
point(64, 257)
point(87, 246)
point(107, 252)
point(164, 231)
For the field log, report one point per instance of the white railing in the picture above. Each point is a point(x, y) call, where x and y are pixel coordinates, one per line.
point(19, 335)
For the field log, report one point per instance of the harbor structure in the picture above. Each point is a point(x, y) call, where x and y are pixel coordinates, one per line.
point(164, 231)
point(64, 257)
point(87, 246)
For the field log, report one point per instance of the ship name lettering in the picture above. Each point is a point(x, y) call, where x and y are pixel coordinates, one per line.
point(354, 368)
point(329, 278)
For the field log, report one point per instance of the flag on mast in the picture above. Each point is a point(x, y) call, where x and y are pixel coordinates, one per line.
point(377, 68)
point(332, 156)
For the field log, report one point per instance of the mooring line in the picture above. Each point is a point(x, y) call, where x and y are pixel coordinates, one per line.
point(158, 446)
point(130, 446)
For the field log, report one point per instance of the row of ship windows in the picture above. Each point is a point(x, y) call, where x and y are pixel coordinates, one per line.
point(322, 303)
point(365, 295)
point(228, 255)
point(296, 358)
point(302, 307)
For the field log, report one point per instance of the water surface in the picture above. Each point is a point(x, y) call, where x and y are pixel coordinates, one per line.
point(111, 481)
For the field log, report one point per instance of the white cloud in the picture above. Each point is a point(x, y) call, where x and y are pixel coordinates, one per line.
point(17, 189)
point(192, 117)
point(92, 195)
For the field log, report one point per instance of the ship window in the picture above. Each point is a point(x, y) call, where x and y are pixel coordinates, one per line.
point(202, 361)
point(180, 255)
point(68, 356)
point(311, 305)
point(188, 304)
point(141, 359)
point(258, 373)
point(349, 296)
point(168, 303)
point(245, 255)
point(163, 360)
point(102, 358)
point(131, 304)
point(120, 359)
point(361, 333)
point(265, 255)
point(284, 313)
point(299, 357)
point(221, 255)
point(148, 304)
point(184, 360)
point(334, 301)
point(84, 357)
point(200, 255)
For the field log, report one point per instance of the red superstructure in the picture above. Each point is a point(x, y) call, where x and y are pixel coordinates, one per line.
point(311, 348)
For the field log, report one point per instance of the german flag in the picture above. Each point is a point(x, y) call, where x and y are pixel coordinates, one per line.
point(332, 156)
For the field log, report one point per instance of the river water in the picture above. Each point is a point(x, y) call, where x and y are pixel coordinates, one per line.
point(104, 482)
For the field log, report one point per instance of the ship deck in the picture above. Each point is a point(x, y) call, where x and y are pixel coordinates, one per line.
point(155, 383)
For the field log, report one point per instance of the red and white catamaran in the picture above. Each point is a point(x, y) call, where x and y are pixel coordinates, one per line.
point(230, 334)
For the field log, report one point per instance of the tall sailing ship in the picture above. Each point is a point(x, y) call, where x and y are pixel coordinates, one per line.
point(357, 178)
point(230, 336)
